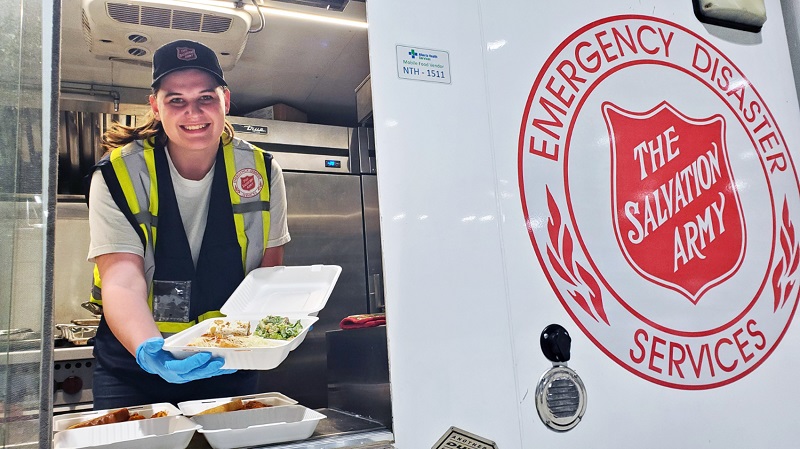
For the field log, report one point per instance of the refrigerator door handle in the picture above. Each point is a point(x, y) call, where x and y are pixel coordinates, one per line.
point(376, 301)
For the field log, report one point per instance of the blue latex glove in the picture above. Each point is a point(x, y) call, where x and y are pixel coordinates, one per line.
point(153, 359)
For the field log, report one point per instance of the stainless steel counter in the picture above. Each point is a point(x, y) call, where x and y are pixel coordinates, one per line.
point(59, 355)
point(338, 430)
point(362, 440)
point(73, 353)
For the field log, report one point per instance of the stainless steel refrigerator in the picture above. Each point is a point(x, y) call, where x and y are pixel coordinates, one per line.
point(333, 218)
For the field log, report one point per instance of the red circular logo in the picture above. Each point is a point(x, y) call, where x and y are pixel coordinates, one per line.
point(248, 182)
point(661, 201)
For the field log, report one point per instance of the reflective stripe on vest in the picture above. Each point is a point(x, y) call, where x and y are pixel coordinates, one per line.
point(245, 210)
point(124, 162)
point(251, 215)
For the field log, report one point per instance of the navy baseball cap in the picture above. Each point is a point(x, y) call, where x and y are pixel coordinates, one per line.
point(185, 54)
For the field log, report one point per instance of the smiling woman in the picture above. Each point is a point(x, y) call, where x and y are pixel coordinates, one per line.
point(191, 106)
point(185, 174)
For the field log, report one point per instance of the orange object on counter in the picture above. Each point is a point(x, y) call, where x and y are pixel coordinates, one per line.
point(364, 320)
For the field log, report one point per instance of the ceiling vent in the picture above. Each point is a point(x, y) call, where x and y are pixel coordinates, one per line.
point(131, 30)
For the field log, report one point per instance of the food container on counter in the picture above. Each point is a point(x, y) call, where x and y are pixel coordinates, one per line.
point(296, 292)
point(260, 426)
point(191, 408)
point(62, 422)
point(77, 334)
point(171, 432)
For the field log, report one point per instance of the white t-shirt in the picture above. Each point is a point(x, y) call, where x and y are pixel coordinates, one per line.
point(111, 232)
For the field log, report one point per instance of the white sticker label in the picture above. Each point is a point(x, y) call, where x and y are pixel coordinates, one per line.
point(422, 64)
point(456, 438)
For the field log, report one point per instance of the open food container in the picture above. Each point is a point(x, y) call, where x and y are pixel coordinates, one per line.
point(256, 427)
point(191, 408)
point(63, 422)
point(171, 432)
point(295, 292)
point(77, 334)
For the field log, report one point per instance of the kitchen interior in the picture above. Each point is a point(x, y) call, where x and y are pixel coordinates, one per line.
point(298, 71)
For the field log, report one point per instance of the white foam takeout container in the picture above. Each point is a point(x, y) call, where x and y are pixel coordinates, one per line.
point(256, 427)
point(297, 292)
point(191, 408)
point(62, 422)
point(171, 432)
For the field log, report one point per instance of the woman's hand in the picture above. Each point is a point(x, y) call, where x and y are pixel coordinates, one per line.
point(151, 356)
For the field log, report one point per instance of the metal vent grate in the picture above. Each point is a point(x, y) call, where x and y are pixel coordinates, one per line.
point(155, 17)
point(123, 13)
point(87, 30)
point(563, 398)
point(137, 38)
point(560, 398)
point(135, 51)
point(189, 21)
point(215, 24)
point(168, 18)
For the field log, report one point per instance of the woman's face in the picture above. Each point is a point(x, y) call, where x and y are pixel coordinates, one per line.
point(191, 106)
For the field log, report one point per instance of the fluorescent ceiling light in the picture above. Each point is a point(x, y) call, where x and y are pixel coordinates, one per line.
point(327, 18)
point(311, 17)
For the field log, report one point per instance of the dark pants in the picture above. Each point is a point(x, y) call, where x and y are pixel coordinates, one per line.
point(115, 390)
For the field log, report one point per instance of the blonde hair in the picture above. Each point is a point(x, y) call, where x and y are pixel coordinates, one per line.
point(119, 135)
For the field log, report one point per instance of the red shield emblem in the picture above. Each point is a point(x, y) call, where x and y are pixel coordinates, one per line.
point(248, 182)
point(186, 54)
point(677, 212)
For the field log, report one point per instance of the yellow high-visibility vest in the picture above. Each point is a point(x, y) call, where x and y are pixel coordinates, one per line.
point(134, 167)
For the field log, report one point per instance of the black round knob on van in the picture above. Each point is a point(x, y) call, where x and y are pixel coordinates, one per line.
point(555, 342)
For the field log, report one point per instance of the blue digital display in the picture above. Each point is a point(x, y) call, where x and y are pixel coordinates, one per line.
point(330, 163)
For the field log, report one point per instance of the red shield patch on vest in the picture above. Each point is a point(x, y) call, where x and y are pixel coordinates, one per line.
point(248, 182)
point(677, 212)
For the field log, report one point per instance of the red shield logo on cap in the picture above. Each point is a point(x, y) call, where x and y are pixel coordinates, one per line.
point(677, 213)
point(186, 54)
